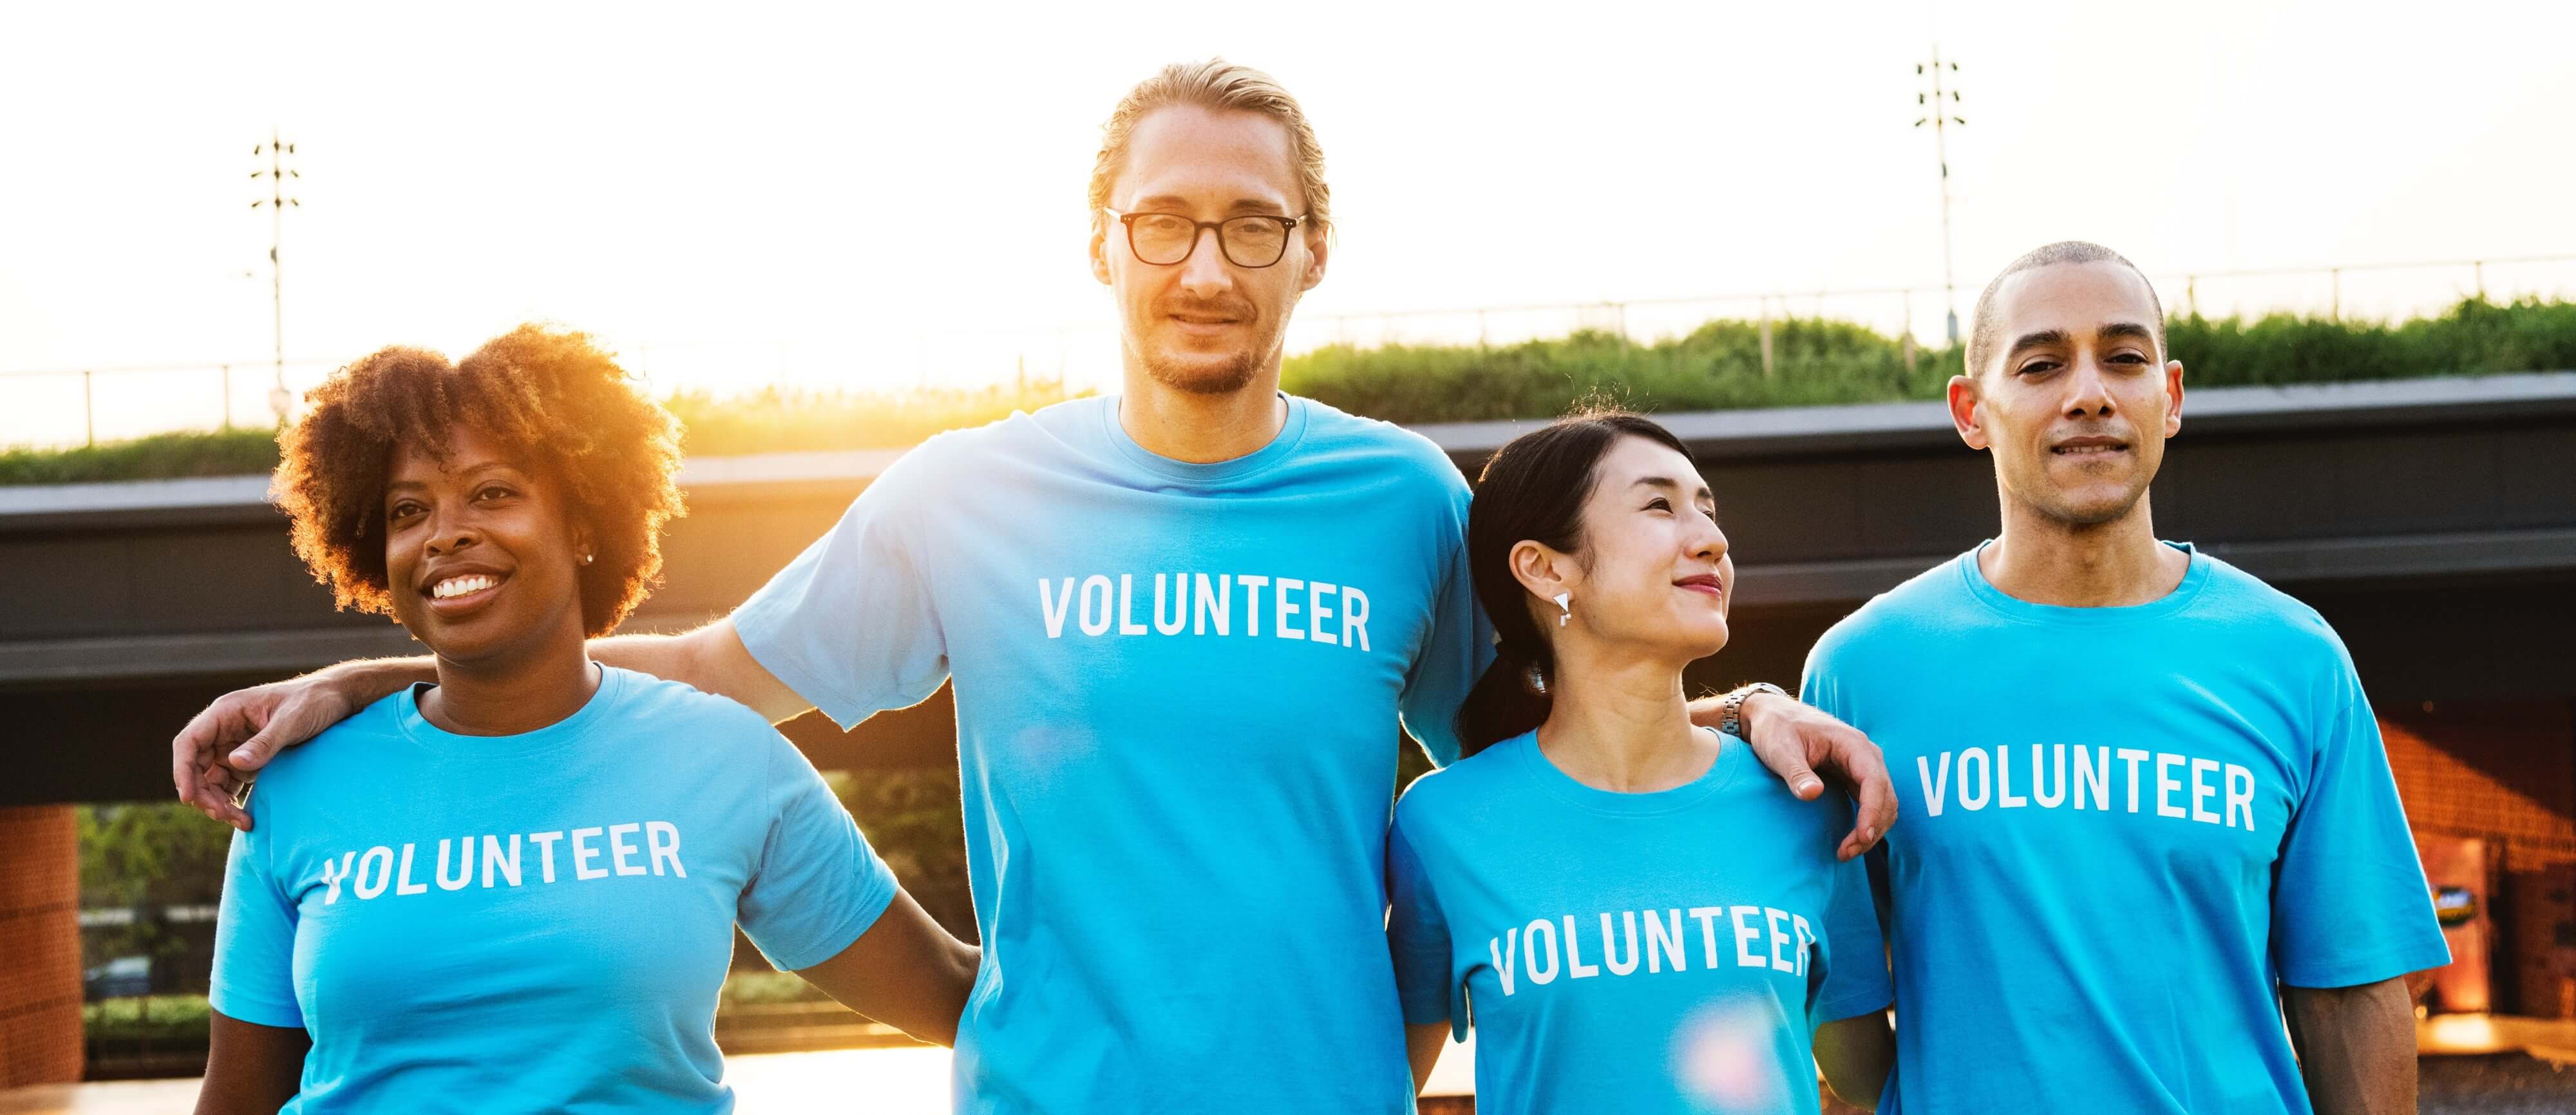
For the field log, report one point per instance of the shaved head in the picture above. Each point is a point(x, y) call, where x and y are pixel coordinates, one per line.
point(1982, 325)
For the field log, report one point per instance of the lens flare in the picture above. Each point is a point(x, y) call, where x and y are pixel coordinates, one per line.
point(1724, 1056)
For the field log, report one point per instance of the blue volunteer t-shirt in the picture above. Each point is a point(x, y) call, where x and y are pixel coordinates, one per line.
point(2120, 830)
point(1641, 953)
point(537, 922)
point(1177, 697)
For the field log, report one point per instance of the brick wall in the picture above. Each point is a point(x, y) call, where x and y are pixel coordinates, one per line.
point(2505, 773)
point(40, 972)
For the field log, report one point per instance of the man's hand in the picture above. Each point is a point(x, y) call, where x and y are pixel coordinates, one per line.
point(1794, 740)
point(239, 733)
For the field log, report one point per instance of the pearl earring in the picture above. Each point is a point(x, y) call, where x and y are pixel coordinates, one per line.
point(1566, 610)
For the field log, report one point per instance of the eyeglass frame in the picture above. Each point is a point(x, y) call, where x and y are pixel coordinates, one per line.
point(1288, 225)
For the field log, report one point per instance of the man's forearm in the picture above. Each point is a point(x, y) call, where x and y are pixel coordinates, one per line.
point(663, 656)
point(2356, 1046)
point(368, 680)
point(710, 659)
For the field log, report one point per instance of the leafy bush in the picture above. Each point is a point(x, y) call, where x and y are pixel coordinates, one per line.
point(916, 822)
point(147, 1018)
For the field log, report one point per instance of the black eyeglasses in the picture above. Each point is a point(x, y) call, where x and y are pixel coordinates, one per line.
point(1165, 239)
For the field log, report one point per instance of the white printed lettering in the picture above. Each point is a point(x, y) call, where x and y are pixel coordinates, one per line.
point(1214, 601)
point(1053, 610)
point(2166, 784)
point(2004, 797)
point(583, 853)
point(1354, 618)
point(2093, 774)
point(1935, 790)
point(402, 879)
point(1529, 956)
point(1979, 784)
point(464, 865)
point(2201, 790)
point(333, 879)
point(1285, 605)
point(1252, 584)
point(1745, 935)
point(1575, 968)
point(1708, 916)
point(1095, 616)
point(2039, 779)
point(382, 859)
point(1127, 624)
point(2133, 757)
point(1318, 609)
point(663, 838)
point(619, 849)
point(1502, 951)
point(1664, 943)
point(2236, 797)
point(492, 858)
point(1610, 948)
point(1180, 620)
point(545, 841)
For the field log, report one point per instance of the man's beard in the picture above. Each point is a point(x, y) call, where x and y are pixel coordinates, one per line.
point(1225, 376)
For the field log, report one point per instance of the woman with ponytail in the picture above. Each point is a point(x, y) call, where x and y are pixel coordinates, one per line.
point(1633, 914)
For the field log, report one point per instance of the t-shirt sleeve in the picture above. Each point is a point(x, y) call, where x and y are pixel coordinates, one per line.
point(849, 624)
point(2349, 902)
point(1817, 687)
point(1418, 934)
point(818, 885)
point(1460, 646)
point(1855, 957)
point(254, 976)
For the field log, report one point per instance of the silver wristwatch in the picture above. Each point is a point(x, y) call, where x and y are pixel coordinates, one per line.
point(1730, 718)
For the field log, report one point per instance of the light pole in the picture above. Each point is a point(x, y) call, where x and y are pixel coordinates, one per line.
point(1937, 112)
point(279, 398)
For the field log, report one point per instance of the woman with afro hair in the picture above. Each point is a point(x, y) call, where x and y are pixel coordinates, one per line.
point(516, 889)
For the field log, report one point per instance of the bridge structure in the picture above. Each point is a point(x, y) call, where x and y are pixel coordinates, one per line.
point(2433, 522)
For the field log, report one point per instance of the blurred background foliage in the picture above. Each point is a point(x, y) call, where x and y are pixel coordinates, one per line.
point(1815, 361)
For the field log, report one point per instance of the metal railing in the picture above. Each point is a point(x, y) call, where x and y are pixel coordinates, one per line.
point(74, 406)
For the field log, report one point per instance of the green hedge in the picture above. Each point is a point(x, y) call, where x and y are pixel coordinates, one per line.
point(146, 1018)
point(1820, 361)
point(1716, 367)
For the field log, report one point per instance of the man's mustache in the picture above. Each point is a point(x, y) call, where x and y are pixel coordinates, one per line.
point(1231, 309)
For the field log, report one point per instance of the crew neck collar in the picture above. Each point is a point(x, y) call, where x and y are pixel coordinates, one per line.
point(1574, 791)
point(1281, 446)
point(570, 729)
point(2194, 577)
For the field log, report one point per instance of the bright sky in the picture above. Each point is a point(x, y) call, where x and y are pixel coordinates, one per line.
point(847, 196)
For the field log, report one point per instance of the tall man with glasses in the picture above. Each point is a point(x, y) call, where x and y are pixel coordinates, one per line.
point(2177, 818)
point(1182, 623)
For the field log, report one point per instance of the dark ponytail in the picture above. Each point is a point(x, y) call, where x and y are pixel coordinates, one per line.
point(1532, 489)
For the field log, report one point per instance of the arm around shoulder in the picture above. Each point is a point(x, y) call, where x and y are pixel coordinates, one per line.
point(711, 659)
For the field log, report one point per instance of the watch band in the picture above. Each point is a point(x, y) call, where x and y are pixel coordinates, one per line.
point(1731, 706)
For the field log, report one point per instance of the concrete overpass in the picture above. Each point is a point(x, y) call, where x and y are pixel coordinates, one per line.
point(2432, 521)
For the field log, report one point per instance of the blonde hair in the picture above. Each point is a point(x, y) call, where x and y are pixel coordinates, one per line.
point(1213, 84)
